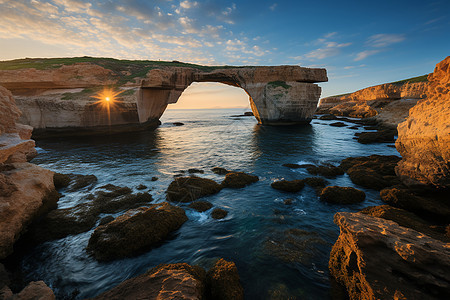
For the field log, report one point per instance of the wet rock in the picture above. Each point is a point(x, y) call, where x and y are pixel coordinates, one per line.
point(414, 266)
point(383, 136)
point(193, 171)
point(238, 180)
point(141, 187)
point(328, 171)
point(342, 195)
point(61, 180)
point(288, 201)
point(187, 189)
point(178, 123)
point(80, 181)
point(166, 281)
point(35, 290)
point(317, 183)
point(354, 127)
point(223, 281)
point(200, 206)
point(297, 166)
point(219, 213)
point(292, 186)
point(220, 171)
point(431, 205)
point(136, 231)
point(407, 219)
point(338, 124)
point(154, 178)
point(328, 117)
point(106, 220)
point(293, 245)
point(375, 171)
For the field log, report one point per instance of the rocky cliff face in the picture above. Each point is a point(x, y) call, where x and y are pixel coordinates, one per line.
point(378, 259)
point(277, 95)
point(25, 189)
point(424, 138)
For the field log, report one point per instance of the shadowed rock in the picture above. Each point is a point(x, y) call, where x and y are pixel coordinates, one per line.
point(342, 195)
point(220, 171)
point(136, 231)
point(223, 281)
point(292, 186)
point(219, 213)
point(328, 171)
point(200, 206)
point(338, 124)
point(238, 180)
point(382, 136)
point(187, 189)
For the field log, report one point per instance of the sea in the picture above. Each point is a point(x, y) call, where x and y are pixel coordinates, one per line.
point(281, 251)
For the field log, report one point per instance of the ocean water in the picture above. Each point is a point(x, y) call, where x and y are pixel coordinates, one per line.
point(271, 262)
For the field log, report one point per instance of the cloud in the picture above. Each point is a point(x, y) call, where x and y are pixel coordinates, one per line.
point(328, 49)
point(273, 6)
point(364, 54)
point(384, 40)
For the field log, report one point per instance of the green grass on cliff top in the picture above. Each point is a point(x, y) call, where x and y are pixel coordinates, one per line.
point(126, 70)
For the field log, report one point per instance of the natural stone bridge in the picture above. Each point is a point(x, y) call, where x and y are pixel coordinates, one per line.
point(279, 95)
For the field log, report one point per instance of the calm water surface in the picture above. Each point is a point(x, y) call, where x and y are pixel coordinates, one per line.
point(257, 217)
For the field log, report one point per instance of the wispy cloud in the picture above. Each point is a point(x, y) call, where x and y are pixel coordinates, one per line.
point(273, 6)
point(384, 40)
point(364, 54)
point(328, 48)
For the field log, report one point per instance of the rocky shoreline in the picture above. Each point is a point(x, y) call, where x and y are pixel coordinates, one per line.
point(397, 250)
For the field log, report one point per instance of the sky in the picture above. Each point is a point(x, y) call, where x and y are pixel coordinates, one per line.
point(360, 43)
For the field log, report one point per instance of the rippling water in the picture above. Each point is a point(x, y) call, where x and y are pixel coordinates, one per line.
point(257, 217)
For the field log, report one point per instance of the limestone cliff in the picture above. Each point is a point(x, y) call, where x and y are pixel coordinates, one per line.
point(376, 258)
point(424, 138)
point(25, 189)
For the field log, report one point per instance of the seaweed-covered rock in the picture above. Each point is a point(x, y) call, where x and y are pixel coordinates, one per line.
point(223, 281)
point(328, 171)
point(238, 180)
point(136, 231)
point(342, 195)
point(166, 281)
point(219, 213)
point(187, 189)
point(200, 206)
point(292, 186)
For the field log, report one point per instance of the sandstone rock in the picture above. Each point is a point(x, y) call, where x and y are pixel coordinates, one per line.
point(34, 195)
point(407, 219)
point(35, 290)
point(187, 189)
point(200, 206)
point(382, 136)
point(395, 112)
point(424, 138)
point(238, 180)
point(414, 266)
point(219, 213)
point(292, 186)
point(9, 113)
point(342, 195)
point(136, 231)
point(223, 281)
point(375, 171)
point(354, 110)
point(328, 171)
point(166, 281)
point(61, 180)
point(416, 90)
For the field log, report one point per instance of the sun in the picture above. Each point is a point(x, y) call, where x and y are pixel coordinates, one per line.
point(107, 97)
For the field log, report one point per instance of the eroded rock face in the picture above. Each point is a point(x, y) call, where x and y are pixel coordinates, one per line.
point(414, 266)
point(166, 281)
point(424, 138)
point(135, 232)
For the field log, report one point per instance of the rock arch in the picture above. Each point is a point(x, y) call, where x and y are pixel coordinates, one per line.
point(278, 95)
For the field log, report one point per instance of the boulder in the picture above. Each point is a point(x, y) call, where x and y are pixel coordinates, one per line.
point(238, 180)
point(328, 171)
point(219, 213)
point(166, 281)
point(200, 206)
point(424, 138)
point(136, 231)
point(414, 266)
point(374, 171)
point(342, 195)
point(187, 189)
point(292, 186)
point(223, 281)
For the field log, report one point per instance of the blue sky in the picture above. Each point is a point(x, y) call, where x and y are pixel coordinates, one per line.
point(360, 43)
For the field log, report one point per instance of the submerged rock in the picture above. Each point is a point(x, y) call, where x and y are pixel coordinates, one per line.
point(193, 171)
point(374, 171)
point(141, 187)
point(292, 186)
point(136, 231)
point(342, 195)
point(187, 189)
point(338, 124)
point(219, 213)
point(414, 266)
point(317, 183)
point(166, 281)
point(238, 180)
point(220, 171)
point(200, 206)
point(223, 282)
